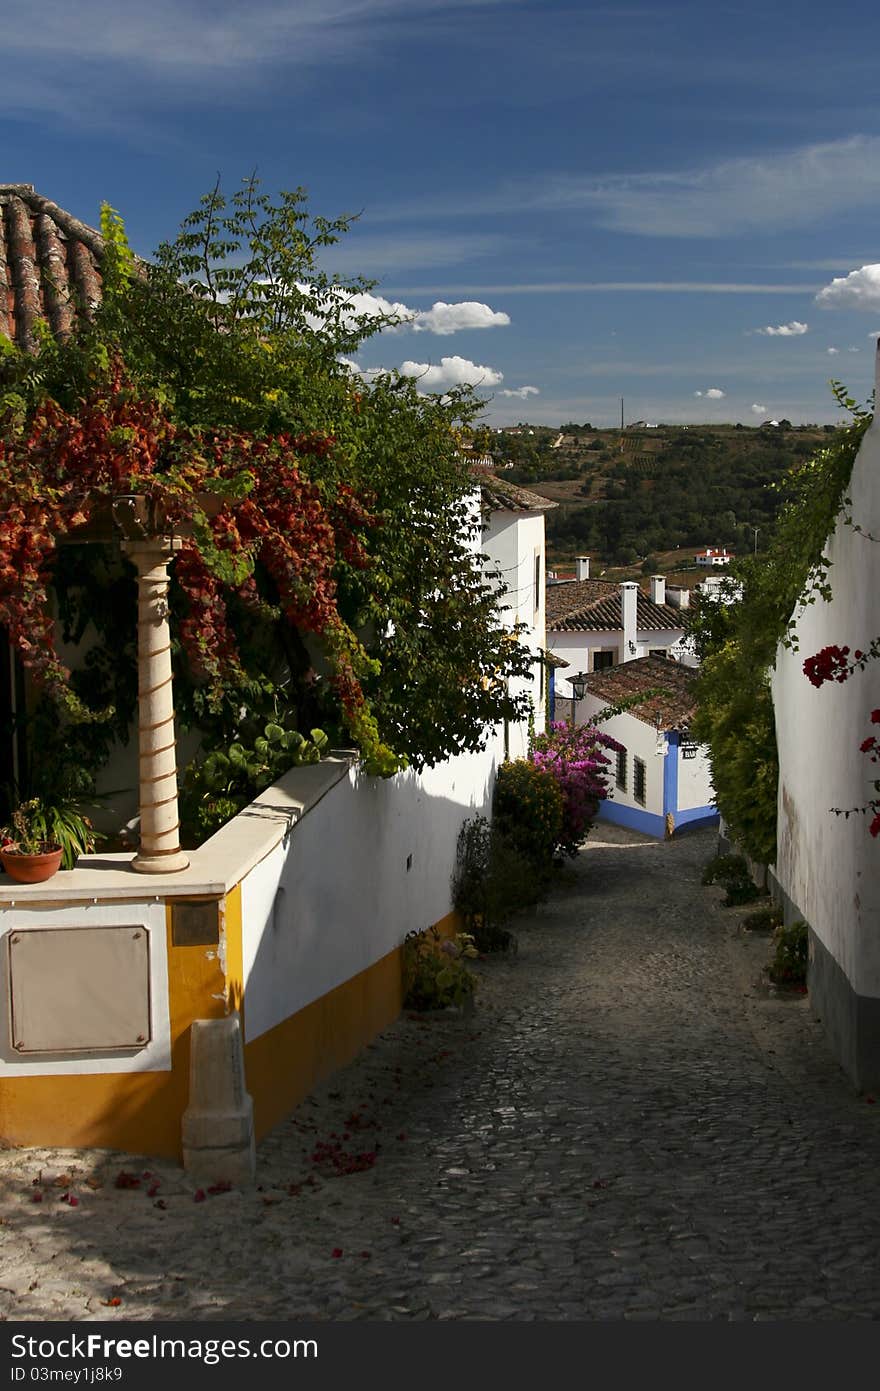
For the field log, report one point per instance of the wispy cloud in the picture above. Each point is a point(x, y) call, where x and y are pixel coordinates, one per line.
point(714, 393)
point(568, 287)
point(832, 352)
point(789, 188)
point(189, 39)
point(523, 392)
point(793, 330)
point(757, 409)
point(858, 290)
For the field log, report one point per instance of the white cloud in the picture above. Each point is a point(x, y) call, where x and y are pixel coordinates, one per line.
point(757, 409)
point(451, 371)
point(714, 393)
point(792, 330)
point(854, 350)
point(832, 352)
point(521, 391)
point(858, 290)
point(444, 318)
point(441, 319)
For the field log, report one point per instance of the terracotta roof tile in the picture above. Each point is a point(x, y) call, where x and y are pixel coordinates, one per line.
point(571, 597)
point(50, 266)
point(594, 606)
point(500, 495)
point(675, 707)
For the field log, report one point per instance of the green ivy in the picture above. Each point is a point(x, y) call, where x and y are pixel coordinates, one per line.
point(738, 642)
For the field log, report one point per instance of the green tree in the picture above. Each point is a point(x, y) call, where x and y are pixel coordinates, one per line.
point(234, 327)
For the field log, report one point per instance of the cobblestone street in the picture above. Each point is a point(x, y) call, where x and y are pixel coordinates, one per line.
point(627, 1126)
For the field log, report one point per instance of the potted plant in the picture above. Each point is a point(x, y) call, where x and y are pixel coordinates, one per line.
point(41, 836)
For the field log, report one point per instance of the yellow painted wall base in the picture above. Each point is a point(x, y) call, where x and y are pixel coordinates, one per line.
point(141, 1113)
point(285, 1064)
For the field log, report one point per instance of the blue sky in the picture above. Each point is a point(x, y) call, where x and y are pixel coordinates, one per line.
point(650, 201)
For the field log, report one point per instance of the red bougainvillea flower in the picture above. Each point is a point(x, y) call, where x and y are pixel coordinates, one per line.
point(831, 664)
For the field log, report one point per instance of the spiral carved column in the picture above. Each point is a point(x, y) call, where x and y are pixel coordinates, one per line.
point(159, 850)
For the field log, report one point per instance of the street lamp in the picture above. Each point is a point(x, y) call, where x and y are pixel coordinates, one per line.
point(578, 691)
point(756, 529)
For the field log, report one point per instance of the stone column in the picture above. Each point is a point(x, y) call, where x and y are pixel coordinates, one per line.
point(159, 851)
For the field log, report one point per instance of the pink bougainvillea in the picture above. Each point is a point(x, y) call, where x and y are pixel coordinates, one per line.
point(574, 755)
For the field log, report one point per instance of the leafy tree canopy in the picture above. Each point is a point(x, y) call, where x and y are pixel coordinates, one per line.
point(231, 347)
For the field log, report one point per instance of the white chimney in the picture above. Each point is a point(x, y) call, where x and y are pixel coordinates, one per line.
point(658, 589)
point(679, 598)
point(582, 567)
point(628, 597)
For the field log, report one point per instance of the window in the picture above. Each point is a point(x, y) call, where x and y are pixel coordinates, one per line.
point(656, 651)
point(639, 781)
point(603, 660)
point(537, 581)
point(621, 769)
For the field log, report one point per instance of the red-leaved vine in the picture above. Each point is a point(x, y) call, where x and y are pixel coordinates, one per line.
point(237, 500)
point(835, 663)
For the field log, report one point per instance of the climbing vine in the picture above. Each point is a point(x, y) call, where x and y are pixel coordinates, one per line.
point(737, 642)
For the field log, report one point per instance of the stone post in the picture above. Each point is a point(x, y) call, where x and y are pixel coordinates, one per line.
point(159, 851)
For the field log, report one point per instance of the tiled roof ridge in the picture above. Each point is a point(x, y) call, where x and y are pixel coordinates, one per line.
point(49, 265)
point(499, 490)
point(604, 609)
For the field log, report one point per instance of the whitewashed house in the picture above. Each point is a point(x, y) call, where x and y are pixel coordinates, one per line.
point(662, 780)
point(595, 624)
point(827, 869)
point(513, 542)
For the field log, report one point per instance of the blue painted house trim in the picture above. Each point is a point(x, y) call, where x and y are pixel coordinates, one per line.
point(633, 817)
point(670, 774)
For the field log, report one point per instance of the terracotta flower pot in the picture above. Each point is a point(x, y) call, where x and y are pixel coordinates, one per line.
point(31, 869)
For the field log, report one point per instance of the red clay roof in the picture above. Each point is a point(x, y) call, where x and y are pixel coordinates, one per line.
point(49, 266)
point(501, 496)
point(674, 708)
point(594, 606)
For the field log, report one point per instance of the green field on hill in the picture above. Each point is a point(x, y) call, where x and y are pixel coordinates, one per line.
point(635, 495)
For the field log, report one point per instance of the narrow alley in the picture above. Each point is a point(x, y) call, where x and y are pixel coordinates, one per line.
point(628, 1125)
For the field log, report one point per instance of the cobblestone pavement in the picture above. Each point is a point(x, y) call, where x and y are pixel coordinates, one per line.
point(627, 1126)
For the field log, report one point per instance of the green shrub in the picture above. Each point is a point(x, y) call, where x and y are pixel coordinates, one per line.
point(528, 810)
point(763, 920)
point(490, 882)
point(435, 974)
point(789, 964)
point(723, 868)
point(733, 872)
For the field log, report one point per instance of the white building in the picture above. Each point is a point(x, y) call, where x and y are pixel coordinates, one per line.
point(595, 624)
point(662, 780)
point(513, 542)
point(827, 868)
point(712, 558)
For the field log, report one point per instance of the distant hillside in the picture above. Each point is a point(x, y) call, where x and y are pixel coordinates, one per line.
point(627, 495)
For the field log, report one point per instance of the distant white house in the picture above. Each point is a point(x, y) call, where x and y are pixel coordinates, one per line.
point(713, 558)
point(662, 780)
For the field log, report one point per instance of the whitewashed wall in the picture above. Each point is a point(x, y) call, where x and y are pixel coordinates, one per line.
point(640, 741)
point(829, 866)
point(512, 540)
point(578, 648)
point(695, 780)
point(370, 863)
